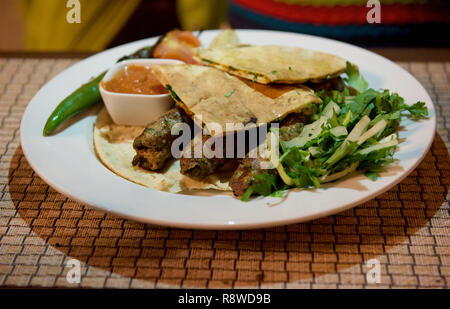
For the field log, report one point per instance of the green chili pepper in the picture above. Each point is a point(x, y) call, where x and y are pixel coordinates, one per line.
point(86, 96)
point(78, 101)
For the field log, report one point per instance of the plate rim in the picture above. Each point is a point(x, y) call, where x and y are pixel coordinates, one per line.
point(228, 226)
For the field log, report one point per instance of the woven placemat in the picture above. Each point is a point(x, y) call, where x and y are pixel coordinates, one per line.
point(41, 231)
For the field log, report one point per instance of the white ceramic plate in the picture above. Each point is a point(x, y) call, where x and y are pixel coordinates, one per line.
point(66, 161)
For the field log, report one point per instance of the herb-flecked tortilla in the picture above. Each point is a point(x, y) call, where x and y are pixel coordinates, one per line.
point(274, 64)
point(215, 97)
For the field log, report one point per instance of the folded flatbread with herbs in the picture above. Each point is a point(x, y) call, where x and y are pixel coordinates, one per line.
point(211, 96)
point(274, 64)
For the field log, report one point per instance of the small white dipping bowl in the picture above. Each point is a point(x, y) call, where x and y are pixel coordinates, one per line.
point(135, 109)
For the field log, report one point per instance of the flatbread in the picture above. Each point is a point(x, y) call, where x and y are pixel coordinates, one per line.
point(274, 64)
point(225, 39)
point(215, 98)
point(114, 147)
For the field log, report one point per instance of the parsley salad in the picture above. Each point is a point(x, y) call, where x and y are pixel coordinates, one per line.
point(355, 129)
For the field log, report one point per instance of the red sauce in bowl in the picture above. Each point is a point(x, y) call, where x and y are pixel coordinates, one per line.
point(135, 79)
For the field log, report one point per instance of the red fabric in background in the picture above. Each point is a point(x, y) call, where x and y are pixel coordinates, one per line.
point(345, 15)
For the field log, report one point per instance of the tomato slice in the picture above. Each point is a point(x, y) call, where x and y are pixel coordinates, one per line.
point(186, 36)
point(178, 45)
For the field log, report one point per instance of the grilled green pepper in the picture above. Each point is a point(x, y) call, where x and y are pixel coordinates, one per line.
point(78, 101)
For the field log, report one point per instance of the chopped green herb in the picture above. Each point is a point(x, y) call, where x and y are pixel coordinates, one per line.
point(173, 93)
point(371, 175)
point(264, 184)
point(274, 72)
point(232, 68)
point(247, 194)
point(279, 193)
point(207, 61)
point(230, 93)
point(298, 91)
point(417, 110)
point(355, 80)
point(290, 69)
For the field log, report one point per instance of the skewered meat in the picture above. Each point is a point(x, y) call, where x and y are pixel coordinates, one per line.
point(249, 168)
point(153, 146)
point(199, 167)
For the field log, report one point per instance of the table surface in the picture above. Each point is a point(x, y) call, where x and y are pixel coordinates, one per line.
point(41, 231)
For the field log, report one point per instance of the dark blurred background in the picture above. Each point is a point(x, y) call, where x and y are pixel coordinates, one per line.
point(151, 18)
point(403, 23)
point(36, 25)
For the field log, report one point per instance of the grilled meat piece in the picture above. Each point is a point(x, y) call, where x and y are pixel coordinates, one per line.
point(328, 85)
point(291, 131)
point(292, 126)
point(244, 176)
point(153, 145)
point(199, 167)
point(248, 168)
